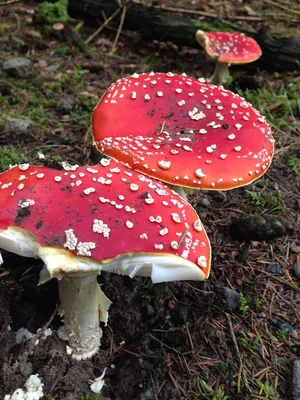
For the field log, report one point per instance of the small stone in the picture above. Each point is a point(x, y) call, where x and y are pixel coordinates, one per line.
point(296, 381)
point(283, 325)
point(17, 43)
point(297, 267)
point(275, 270)
point(145, 364)
point(18, 67)
point(17, 126)
point(295, 248)
point(219, 195)
point(68, 103)
point(232, 298)
point(204, 202)
point(52, 68)
point(281, 249)
point(150, 310)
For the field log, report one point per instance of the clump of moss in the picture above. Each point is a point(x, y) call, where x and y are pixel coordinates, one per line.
point(9, 157)
point(54, 12)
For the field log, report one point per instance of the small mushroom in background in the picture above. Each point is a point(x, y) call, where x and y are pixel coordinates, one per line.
point(227, 48)
point(84, 220)
point(183, 131)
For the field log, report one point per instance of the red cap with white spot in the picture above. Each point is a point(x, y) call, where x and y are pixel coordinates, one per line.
point(99, 213)
point(84, 220)
point(229, 47)
point(183, 131)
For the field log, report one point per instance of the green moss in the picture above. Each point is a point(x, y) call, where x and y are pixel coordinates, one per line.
point(279, 106)
point(63, 49)
point(294, 162)
point(270, 202)
point(91, 397)
point(267, 390)
point(9, 157)
point(207, 392)
point(217, 25)
point(3, 118)
point(243, 306)
point(54, 12)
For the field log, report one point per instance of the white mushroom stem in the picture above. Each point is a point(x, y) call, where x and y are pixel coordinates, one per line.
point(220, 75)
point(188, 190)
point(81, 300)
point(83, 303)
point(179, 190)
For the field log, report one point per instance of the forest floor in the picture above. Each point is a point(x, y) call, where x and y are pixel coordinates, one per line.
point(182, 340)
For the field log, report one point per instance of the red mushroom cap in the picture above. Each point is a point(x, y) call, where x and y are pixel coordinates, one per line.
point(183, 131)
point(229, 47)
point(102, 213)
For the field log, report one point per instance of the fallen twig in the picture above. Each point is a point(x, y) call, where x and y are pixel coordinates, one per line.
point(179, 389)
point(106, 22)
point(273, 3)
point(229, 17)
point(114, 46)
point(237, 351)
point(206, 14)
point(6, 3)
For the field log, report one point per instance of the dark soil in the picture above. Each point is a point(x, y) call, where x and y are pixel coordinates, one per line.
point(162, 341)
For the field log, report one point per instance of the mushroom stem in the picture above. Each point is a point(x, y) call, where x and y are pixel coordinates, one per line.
point(220, 75)
point(188, 190)
point(80, 298)
point(179, 190)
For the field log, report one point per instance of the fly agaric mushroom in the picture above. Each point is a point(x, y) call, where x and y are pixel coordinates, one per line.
point(84, 220)
point(227, 48)
point(183, 131)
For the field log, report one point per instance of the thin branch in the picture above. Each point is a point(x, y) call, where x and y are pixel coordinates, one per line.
point(106, 22)
point(237, 351)
point(276, 4)
point(207, 14)
point(114, 46)
point(6, 3)
point(228, 17)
